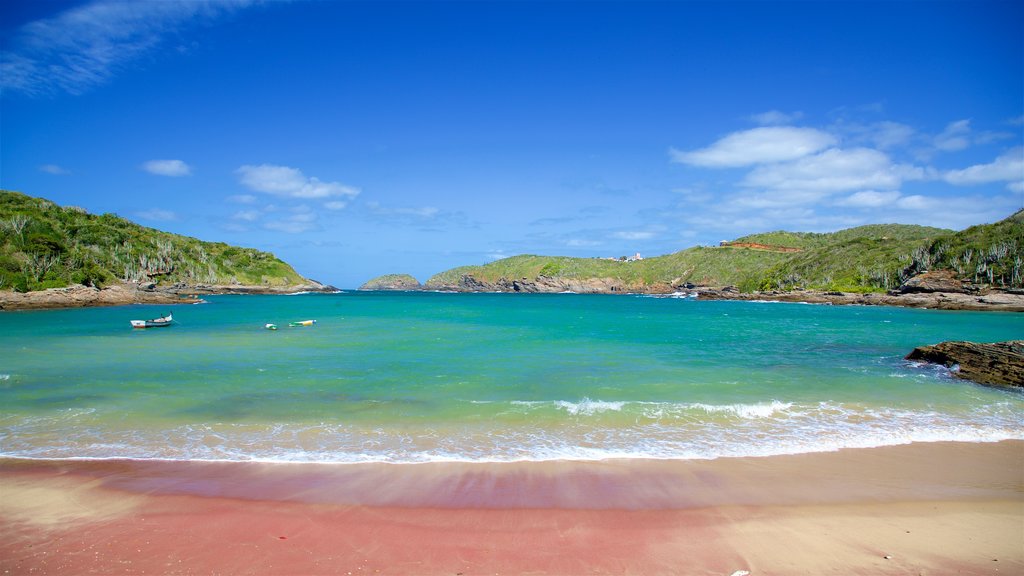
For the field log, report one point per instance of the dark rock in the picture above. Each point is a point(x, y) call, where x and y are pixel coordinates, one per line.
point(995, 364)
point(936, 281)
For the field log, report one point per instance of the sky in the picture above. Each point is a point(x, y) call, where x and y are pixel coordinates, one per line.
point(354, 139)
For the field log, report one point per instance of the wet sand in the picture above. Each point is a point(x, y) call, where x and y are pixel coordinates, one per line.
point(944, 508)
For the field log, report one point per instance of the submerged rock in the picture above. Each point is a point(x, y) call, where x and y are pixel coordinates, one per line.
point(995, 364)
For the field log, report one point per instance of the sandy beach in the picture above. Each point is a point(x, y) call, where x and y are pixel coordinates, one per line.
point(942, 508)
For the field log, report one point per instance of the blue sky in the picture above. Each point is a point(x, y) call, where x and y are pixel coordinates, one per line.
point(354, 139)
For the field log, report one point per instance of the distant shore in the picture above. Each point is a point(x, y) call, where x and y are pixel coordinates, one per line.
point(992, 300)
point(122, 294)
point(936, 508)
point(79, 296)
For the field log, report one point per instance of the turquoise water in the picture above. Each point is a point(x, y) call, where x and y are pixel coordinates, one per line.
point(413, 377)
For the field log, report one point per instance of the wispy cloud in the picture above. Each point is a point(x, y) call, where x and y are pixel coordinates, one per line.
point(757, 146)
point(1008, 167)
point(422, 212)
point(242, 199)
point(954, 137)
point(845, 174)
point(167, 168)
point(86, 46)
point(633, 235)
point(54, 169)
point(776, 118)
point(158, 215)
point(292, 183)
point(301, 219)
point(869, 199)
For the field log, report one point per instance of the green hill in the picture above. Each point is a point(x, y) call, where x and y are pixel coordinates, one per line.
point(867, 258)
point(43, 245)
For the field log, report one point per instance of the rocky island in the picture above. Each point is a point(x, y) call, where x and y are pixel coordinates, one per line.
point(398, 282)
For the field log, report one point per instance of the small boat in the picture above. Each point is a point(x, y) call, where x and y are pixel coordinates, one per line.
point(271, 326)
point(154, 323)
point(302, 323)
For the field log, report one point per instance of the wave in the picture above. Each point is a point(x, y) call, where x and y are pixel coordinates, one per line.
point(523, 431)
point(655, 410)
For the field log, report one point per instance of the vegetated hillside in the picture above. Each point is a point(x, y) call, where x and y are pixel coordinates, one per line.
point(867, 258)
point(990, 254)
point(700, 265)
point(876, 257)
point(43, 245)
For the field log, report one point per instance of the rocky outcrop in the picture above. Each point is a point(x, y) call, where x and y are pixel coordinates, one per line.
point(766, 247)
point(1005, 301)
point(392, 282)
point(993, 300)
point(935, 281)
point(79, 296)
point(995, 364)
point(551, 285)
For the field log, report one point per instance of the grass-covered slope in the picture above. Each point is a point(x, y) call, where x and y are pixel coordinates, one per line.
point(43, 245)
point(984, 254)
point(867, 258)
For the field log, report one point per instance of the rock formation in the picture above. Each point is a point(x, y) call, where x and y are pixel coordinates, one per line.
point(995, 364)
point(935, 281)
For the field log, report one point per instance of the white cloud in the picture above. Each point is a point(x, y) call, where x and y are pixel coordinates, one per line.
point(869, 199)
point(167, 167)
point(831, 171)
point(335, 205)
point(85, 46)
point(291, 182)
point(1006, 168)
point(158, 214)
point(757, 146)
point(53, 169)
point(246, 215)
point(954, 137)
point(776, 118)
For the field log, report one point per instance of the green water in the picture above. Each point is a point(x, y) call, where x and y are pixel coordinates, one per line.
point(409, 377)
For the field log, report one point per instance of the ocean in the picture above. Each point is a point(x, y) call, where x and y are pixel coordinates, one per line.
point(431, 377)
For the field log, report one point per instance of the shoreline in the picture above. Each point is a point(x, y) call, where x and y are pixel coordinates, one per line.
point(128, 294)
point(935, 508)
point(124, 294)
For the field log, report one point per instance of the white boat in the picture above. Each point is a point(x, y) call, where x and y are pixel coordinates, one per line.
point(154, 323)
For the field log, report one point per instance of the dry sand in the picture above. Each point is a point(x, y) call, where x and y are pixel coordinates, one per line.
point(944, 508)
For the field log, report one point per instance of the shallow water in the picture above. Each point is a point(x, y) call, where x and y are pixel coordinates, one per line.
point(414, 377)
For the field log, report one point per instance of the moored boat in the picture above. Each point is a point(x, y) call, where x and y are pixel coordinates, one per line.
point(154, 323)
point(302, 323)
